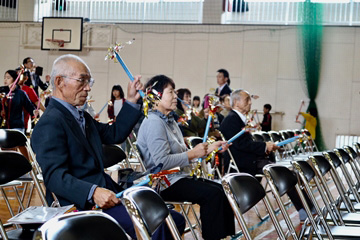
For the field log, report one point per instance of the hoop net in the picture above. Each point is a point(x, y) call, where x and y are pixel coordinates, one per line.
point(59, 42)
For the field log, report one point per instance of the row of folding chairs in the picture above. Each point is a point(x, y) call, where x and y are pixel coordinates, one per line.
point(338, 218)
point(17, 172)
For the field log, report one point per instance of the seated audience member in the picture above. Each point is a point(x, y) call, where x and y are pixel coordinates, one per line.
point(68, 145)
point(223, 80)
point(160, 141)
point(250, 156)
point(195, 125)
point(266, 123)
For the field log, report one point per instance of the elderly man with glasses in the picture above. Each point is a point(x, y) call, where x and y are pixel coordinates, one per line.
point(68, 144)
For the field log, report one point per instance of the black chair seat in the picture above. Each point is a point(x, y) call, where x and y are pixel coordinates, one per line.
point(13, 166)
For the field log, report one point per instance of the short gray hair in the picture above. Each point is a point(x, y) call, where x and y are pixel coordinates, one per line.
point(61, 67)
point(235, 95)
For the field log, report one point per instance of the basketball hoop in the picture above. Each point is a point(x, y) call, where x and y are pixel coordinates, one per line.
point(56, 41)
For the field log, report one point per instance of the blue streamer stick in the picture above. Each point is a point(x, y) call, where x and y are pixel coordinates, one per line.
point(234, 138)
point(182, 101)
point(282, 143)
point(102, 109)
point(206, 132)
point(126, 69)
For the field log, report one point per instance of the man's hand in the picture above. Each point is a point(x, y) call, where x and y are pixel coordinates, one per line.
point(133, 89)
point(36, 113)
point(47, 78)
point(105, 198)
point(198, 151)
point(270, 146)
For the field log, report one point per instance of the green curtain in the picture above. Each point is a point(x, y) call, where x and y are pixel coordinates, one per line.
point(311, 35)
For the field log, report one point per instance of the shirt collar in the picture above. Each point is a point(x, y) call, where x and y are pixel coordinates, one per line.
point(242, 116)
point(73, 110)
point(167, 118)
point(222, 86)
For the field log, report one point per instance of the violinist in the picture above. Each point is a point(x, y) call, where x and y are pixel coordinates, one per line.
point(14, 102)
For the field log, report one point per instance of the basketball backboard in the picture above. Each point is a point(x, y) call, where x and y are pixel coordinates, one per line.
point(62, 33)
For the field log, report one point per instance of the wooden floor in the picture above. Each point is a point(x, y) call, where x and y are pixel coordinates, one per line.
point(259, 229)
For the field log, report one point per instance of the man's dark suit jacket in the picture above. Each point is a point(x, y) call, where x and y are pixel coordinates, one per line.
point(38, 83)
point(72, 163)
point(244, 149)
point(226, 90)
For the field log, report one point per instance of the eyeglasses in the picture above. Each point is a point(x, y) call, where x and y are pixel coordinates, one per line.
point(83, 81)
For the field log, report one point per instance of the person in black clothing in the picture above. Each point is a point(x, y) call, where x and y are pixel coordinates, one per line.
point(266, 123)
point(223, 80)
point(35, 81)
point(12, 107)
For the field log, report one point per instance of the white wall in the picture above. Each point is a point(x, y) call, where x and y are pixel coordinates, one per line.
point(262, 59)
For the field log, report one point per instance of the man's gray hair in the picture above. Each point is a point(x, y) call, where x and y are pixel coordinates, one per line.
point(61, 67)
point(235, 95)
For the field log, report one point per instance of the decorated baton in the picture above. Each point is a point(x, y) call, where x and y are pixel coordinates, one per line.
point(113, 53)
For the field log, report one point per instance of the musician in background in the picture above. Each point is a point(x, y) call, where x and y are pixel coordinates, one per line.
point(266, 123)
point(35, 81)
point(223, 80)
point(196, 104)
point(117, 101)
point(195, 125)
point(13, 105)
point(160, 141)
point(30, 92)
point(311, 121)
point(68, 145)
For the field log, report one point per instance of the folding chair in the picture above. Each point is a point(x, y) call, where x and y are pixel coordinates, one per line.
point(322, 167)
point(185, 207)
point(331, 211)
point(338, 165)
point(148, 211)
point(13, 139)
point(281, 180)
point(113, 156)
point(85, 225)
point(243, 192)
point(13, 165)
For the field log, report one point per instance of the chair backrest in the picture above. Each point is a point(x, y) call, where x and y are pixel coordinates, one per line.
point(297, 131)
point(113, 154)
point(276, 137)
point(291, 133)
point(266, 137)
point(334, 159)
point(86, 225)
point(351, 151)
point(285, 134)
point(343, 154)
point(282, 177)
point(258, 137)
point(309, 173)
point(10, 138)
point(13, 165)
point(193, 141)
point(323, 164)
point(146, 209)
point(246, 190)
